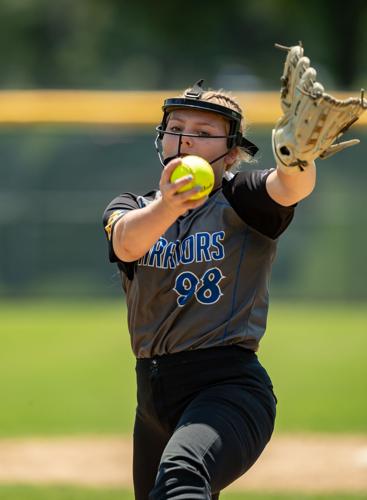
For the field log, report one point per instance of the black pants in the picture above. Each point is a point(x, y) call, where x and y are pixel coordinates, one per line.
point(203, 418)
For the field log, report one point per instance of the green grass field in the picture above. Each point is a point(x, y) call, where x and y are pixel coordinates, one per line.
point(67, 493)
point(67, 368)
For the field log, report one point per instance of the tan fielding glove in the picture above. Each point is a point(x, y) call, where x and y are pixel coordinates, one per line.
point(312, 119)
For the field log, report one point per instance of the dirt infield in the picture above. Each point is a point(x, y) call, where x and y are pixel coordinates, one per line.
point(307, 463)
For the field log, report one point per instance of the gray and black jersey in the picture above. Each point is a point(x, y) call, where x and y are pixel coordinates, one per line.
point(205, 282)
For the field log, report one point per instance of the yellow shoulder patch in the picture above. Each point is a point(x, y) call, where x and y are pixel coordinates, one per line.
point(111, 220)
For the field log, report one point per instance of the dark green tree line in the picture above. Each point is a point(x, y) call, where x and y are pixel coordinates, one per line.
point(168, 44)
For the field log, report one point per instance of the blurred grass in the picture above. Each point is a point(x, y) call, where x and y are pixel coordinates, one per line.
point(316, 356)
point(10, 492)
point(67, 368)
point(69, 493)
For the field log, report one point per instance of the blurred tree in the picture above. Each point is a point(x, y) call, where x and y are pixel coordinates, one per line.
point(144, 44)
point(346, 32)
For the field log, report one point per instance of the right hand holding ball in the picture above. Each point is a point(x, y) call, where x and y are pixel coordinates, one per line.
point(201, 172)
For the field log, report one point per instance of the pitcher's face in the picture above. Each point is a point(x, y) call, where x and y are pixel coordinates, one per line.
point(205, 125)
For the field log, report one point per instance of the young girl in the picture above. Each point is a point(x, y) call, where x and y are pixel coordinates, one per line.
point(196, 276)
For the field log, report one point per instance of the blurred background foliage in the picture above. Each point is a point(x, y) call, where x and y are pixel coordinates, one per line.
point(119, 44)
point(55, 181)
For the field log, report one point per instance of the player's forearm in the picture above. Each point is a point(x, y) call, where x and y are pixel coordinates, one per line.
point(288, 189)
point(137, 231)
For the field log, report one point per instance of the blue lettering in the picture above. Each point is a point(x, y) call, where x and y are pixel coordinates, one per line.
point(155, 253)
point(170, 256)
point(202, 247)
point(199, 247)
point(178, 251)
point(187, 250)
point(218, 251)
point(143, 261)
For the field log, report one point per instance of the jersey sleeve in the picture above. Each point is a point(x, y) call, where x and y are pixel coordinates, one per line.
point(116, 209)
point(247, 194)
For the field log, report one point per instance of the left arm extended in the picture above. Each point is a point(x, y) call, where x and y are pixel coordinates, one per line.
point(311, 125)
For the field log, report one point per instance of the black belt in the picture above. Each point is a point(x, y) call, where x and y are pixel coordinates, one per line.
point(198, 355)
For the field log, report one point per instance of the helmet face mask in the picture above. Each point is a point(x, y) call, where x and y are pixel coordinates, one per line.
point(191, 100)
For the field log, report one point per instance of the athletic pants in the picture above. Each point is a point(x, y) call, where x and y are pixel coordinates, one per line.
point(203, 418)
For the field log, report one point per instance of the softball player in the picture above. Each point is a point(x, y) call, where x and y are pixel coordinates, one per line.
point(196, 276)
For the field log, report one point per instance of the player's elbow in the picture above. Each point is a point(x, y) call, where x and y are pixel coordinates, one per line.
point(120, 244)
point(124, 254)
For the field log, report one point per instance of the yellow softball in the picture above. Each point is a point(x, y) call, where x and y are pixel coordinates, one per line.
point(202, 175)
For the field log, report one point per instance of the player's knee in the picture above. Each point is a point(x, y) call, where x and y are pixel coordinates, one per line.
point(180, 478)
